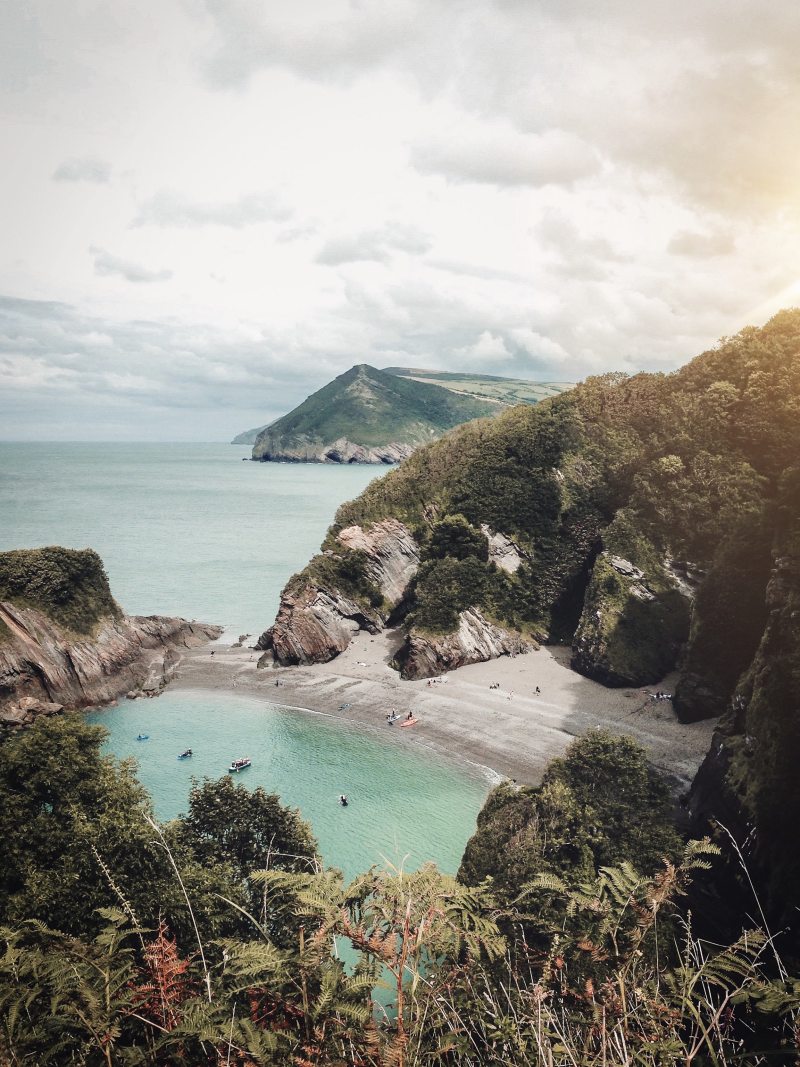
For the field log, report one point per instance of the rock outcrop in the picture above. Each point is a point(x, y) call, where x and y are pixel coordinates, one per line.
point(276, 450)
point(392, 555)
point(631, 629)
point(314, 626)
point(503, 552)
point(316, 623)
point(474, 641)
point(44, 668)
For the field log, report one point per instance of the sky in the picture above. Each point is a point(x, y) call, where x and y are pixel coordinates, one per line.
point(210, 208)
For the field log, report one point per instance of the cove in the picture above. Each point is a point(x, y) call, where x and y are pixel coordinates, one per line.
point(406, 806)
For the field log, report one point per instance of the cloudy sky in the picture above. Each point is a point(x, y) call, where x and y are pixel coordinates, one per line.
point(211, 207)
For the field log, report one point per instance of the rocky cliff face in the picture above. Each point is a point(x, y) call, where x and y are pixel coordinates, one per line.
point(392, 555)
point(44, 668)
point(748, 781)
point(631, 629)
point(317, 622)
point(474, 641)
point(276, 450)
point(315, 626)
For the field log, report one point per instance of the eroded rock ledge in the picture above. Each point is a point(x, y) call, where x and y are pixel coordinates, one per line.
point(475, 641)
point(44, 669)
point(340, 451)
point(316, 624)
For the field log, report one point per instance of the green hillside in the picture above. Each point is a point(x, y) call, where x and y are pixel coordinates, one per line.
point(658, 519)
point(370, 409)
point(505, 391)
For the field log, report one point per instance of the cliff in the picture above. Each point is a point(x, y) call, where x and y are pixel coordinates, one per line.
point(626, 517)
point(65, 643)
point(366, 416)
point(748, 781)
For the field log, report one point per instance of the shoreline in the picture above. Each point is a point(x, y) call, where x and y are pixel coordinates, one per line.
point(505, 732)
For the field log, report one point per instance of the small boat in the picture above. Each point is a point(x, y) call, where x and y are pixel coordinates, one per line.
point(393, 718)
point(239, 765)
point(143, 737)
point(409, 722)
point(185, 754)
point(343, 707)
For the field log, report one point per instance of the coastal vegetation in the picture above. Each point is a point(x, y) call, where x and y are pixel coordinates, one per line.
point(68, 585)
point(217, 938)
point(655, 518)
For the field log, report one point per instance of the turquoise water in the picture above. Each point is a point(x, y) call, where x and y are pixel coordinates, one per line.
point(183, 529)
point(405, 807)
point(191, 530)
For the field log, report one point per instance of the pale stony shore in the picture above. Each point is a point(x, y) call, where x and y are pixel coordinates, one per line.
point(511, 731)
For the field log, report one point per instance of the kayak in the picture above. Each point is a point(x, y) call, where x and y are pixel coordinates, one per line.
point(410, 722)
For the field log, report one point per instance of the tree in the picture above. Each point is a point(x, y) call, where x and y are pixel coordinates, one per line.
point(602, 804)
point(71, 824)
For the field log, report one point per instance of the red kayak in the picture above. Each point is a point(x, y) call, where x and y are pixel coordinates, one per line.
point(410, 722)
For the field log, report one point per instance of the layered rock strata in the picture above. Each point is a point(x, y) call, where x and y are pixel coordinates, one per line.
point(44, 668)
point(316, 624)
point(474, 641)
point(275, 450)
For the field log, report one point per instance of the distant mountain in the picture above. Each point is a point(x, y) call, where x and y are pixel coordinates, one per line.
point(366, 416)
point(249, 436)
point(504, 391)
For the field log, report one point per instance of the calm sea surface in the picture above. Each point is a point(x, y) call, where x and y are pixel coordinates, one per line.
point(191, 530)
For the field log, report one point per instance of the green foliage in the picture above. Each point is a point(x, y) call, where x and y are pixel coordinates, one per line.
point(734, 590)
point(444, 587)
point(63, 805)
point(68, 585)
point(610, 986)
point(601, 804)
point(453, 536)
point(245, 828)
point(240, 830)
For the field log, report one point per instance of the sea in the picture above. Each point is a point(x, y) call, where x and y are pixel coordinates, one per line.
point(193, 530)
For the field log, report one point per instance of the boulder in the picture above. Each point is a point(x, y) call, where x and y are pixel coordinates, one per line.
point(315, 624)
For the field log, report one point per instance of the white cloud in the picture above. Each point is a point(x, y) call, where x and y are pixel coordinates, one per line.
point(543, 190)
point(488, 348)
point(87, 169)
point(168, 208)
point(504, 157)
point(376, 245)
point(701, 245)
point(107, 265)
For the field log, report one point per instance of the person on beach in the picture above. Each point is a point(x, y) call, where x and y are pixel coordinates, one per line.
point(410, 715)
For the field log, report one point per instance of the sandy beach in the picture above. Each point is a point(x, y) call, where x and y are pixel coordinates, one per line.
point(510, 730)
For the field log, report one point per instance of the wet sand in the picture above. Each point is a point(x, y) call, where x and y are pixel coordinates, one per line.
point(511, 730)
